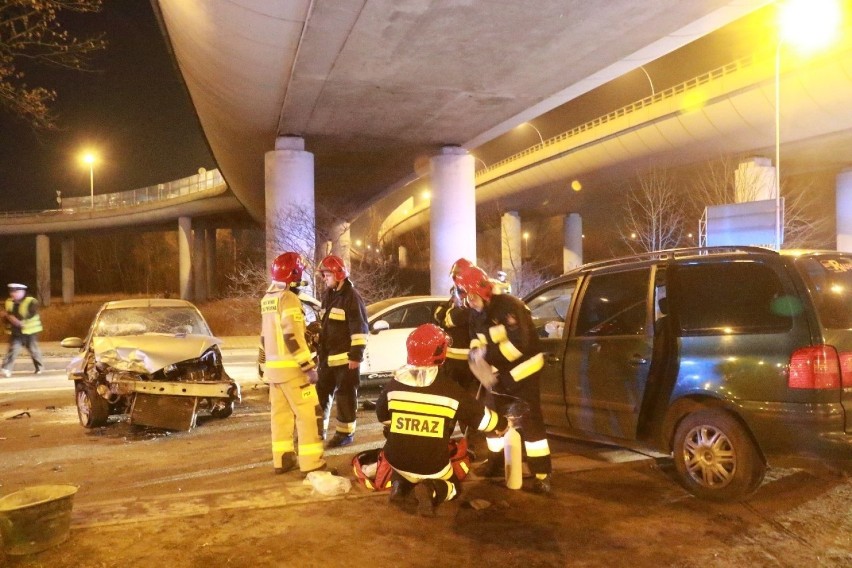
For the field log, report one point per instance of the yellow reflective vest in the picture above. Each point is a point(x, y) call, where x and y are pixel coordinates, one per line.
point(29, 325)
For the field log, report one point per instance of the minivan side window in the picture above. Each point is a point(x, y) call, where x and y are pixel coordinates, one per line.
point(725, 298)
point(550, 308)
point(615, 304)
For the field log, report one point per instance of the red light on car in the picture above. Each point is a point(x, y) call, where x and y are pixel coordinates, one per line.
point(814, 368)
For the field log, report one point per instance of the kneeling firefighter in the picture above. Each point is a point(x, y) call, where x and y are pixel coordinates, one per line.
point(290, 371)
point(418, 406)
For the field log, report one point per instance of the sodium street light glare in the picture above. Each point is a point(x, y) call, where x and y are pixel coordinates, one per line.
point(809, 25)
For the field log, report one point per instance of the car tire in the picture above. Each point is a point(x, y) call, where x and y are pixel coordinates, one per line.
point(221, 409)
point(92, 409)
point(715, 457)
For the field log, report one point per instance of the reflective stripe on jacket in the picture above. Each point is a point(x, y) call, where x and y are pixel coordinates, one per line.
point(283, 330)
point(344, 326)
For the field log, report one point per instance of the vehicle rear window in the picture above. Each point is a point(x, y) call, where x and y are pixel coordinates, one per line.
point(829, 279)
point(722, 298)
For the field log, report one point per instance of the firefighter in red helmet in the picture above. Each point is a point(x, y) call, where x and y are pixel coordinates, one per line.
point(417, 407)
point(290, 370)
point(503, 332)
point(454, 318)
point(343, 339)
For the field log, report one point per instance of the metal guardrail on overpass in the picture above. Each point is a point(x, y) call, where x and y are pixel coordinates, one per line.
point(163, 191)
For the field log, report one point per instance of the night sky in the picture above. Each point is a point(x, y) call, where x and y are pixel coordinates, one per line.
point(132, 110)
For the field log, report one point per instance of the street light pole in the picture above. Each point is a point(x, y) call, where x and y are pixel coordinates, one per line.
point(537, 131)
point(92, 182)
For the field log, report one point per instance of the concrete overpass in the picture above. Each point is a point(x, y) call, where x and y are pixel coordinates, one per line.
point(381, 91)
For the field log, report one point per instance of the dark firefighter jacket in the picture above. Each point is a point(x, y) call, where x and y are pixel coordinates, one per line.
point(506, 329)
point(344, 326)
point(456, 322)
point(419, 419)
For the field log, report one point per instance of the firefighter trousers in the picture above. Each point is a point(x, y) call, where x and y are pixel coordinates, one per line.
point(294, 405)
point(342, 383)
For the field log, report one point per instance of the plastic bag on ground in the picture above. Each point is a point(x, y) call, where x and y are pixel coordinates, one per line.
point(325, 483)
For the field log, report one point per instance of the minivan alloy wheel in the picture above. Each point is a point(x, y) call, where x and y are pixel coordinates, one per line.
point(709, 456)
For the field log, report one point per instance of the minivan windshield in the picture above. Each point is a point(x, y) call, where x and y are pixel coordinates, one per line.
point(829, 279)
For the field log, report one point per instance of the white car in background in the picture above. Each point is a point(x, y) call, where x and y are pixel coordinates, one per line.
point(390, 321)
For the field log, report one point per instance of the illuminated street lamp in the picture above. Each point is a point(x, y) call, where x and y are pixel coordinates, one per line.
point(807, 25)
point(531, 125)
point(526, 252)
point(90, 159)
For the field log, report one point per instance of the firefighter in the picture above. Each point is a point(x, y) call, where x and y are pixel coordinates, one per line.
point(417, 406)
point(454, 318)
point(502, 331)
point(290, 371)
point(343, 339)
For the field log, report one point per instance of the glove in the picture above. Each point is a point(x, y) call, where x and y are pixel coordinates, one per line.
point(313, 378)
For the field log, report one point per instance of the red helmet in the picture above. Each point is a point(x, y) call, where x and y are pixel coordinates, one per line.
point(473, 280)
point(458, 266)
point(287, 268)
point(334, 264)
point(427, 345)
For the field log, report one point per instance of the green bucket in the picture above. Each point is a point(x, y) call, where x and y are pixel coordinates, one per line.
point(36, 518)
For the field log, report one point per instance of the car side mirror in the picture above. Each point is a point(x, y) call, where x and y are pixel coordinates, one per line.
point(72, 343)
point(380, 325)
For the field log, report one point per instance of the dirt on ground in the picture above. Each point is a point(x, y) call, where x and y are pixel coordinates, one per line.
point(209, 498)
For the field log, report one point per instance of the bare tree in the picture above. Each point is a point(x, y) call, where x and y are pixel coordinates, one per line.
point(654, 213)
point(717, 184)
point(30, 31)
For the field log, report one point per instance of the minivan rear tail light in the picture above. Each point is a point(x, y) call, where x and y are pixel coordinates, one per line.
point(846, 369)
point(815, 368)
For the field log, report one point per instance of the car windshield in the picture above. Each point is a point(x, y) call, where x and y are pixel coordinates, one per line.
point(138, 321)
point(830, 282)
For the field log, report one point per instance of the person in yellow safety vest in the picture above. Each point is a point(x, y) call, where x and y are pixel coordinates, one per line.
point(23, 324)
point(290, 371)
point(502, 333)
point(343, 339)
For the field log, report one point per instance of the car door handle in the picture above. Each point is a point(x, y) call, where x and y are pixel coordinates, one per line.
point(637, 360)
point(551, 358)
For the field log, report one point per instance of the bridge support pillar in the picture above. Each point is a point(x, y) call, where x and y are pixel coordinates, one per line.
point(290, 210)
point(403, 257)
point(452, 219)
point(572, 243)
point(210, 261)
point(184, 258)
point(67, 270)
point(510, 245)
point(844, 210)
point(199, 264)
point(43, 269)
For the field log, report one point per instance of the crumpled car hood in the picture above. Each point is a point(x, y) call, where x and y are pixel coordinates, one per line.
point(150, 352)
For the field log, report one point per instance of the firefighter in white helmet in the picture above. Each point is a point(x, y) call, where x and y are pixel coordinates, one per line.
point(290, 371)
point(418, 406)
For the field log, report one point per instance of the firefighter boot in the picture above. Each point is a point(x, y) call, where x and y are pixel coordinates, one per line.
point(399, 493)
point(541, 484)
point(288, 463)
point(492, 467)
point(425, 494)
point(339, 440)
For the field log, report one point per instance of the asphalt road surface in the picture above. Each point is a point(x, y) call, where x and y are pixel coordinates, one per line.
point(209, 498)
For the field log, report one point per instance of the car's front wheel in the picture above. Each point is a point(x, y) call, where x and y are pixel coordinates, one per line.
point(92, 410)
point(715, 457)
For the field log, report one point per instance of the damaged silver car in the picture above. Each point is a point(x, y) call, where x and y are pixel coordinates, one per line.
point(153, 359)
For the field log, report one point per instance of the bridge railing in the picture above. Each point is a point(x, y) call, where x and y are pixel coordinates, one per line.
point(162, 191)
point(732, 67)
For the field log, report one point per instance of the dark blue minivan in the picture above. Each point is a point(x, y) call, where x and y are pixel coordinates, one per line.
point(730, 358)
